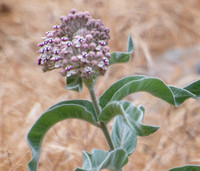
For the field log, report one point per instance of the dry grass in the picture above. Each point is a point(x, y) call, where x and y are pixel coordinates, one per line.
point(25, 92)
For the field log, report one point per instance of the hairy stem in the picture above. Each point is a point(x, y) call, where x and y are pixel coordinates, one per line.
point(102, 125)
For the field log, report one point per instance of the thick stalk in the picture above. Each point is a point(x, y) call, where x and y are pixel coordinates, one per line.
point(102, 125)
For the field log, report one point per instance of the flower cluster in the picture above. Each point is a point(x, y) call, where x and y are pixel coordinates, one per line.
point(79, 46)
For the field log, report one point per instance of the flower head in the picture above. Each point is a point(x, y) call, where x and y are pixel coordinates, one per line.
point(79, 46)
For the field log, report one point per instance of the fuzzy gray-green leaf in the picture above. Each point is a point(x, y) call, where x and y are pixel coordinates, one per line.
point(132, 115)
point(154, 86)
point(74, 83)
point(122, 57)
point(123, 136)
point(187, 168)
point(100, 159)
point(59, 112)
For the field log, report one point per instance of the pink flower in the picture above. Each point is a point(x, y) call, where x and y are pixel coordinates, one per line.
point(79, 46)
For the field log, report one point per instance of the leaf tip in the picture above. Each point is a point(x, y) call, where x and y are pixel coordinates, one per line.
point(130, 44)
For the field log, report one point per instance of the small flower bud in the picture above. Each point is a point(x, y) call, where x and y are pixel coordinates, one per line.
point(62, 18)
point(68, 68)
point(98, 48)
point(102, 34)
point(39, 61)
point(55, 58)
point(56, 51)
point(45, 43)
point(46, 49)
point(102, 43)
point(102, 28)
point(84, 54)
point(81, 39)
point(92, 46)
point(91, 54)
point(107, 30)
point(87, 13)
point(97, 24)
point(96, 34)
point(99, 55)
point(50, 34)
point(69, 44)
point(41, 44)
point(50, 40)
point(57, 40)
point(58, 64)
point(56, 27)
point(89, 69)
point(101, 64)
point(84, 46)
point(94, 62)
point(74, 59)
point(67, 28)
point(106, 61)
point(76, 16)
point(66, 19)
point(65, 61)
point(108, 55)
point(64, 52)
point(77, 45)
point(73, 11)
point(80, 57)
point(71, 16)
point(64, 38)
point(41, 50)
point(89, 37)
point(106, 49)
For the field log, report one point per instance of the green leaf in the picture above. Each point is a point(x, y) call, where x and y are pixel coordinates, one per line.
point(154, 86)
point(100, 159)
point(130, 45)
point(87, 104)
point(132, 115)
point(61, 111)
point(121, 57)
point(74, 83)
point(187, 168)
point(194, 88)
point(122, 136)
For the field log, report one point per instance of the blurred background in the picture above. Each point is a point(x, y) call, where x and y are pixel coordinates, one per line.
point(166, 37)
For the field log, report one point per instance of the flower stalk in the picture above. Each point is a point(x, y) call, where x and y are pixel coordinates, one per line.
point(102, 125)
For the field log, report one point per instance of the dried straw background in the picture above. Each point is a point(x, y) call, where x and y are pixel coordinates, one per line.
point(167, 44)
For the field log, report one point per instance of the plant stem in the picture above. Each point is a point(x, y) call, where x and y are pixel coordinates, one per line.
point(102, 125)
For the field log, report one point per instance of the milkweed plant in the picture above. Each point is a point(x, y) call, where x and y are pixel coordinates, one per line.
point(79, 47)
